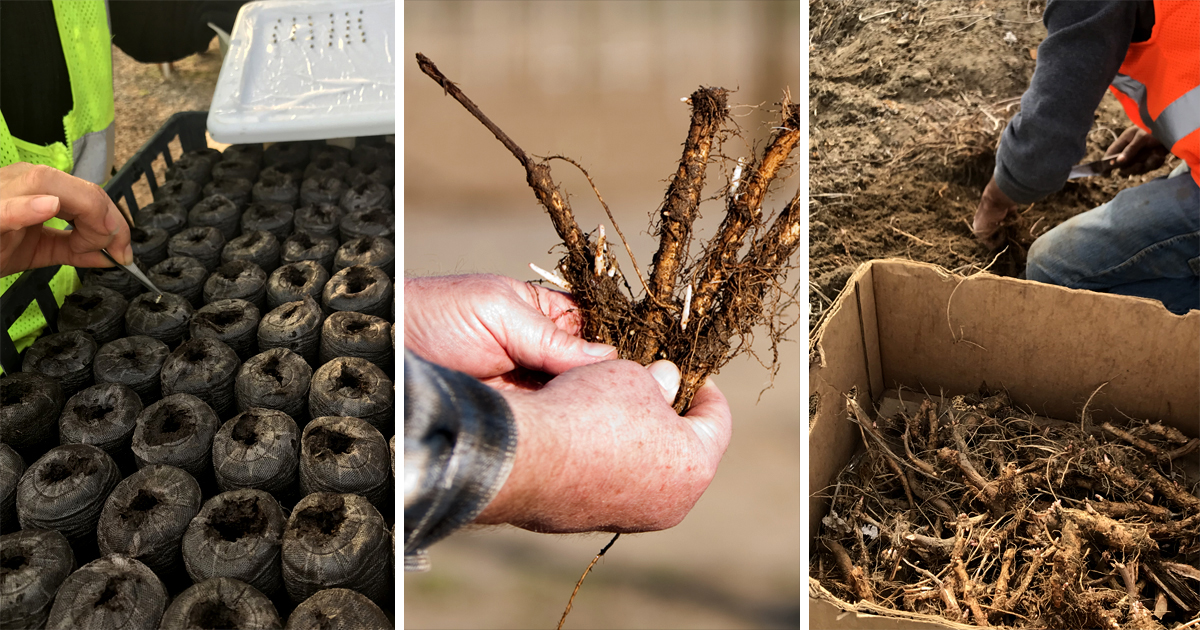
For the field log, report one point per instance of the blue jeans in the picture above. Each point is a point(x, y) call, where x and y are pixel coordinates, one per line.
point(1144, 243)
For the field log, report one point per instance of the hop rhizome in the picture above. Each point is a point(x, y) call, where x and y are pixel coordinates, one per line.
point(699, 312)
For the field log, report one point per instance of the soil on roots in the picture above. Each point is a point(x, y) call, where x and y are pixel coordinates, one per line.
point(906, 109)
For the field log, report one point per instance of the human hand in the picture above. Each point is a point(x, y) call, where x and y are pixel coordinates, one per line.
point(502, 331)
point(30, 195)
point(1137, 152)
point(599, 448)
point(994, 207)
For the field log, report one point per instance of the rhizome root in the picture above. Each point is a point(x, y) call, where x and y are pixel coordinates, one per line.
point(978, 512)
point(697, 311)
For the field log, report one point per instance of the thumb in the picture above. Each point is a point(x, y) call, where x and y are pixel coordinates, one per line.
point(667, 376)
point(533, 341)
point(21, 212)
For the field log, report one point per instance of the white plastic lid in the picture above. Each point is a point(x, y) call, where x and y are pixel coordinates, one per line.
point(307, 70)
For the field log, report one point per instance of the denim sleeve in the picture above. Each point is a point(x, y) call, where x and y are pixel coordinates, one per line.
point(1084, 47)
point(459, 444)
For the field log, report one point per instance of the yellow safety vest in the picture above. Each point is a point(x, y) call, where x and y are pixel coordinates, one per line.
point(88, 151)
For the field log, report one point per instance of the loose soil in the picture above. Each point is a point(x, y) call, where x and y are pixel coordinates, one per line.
point(907, 104)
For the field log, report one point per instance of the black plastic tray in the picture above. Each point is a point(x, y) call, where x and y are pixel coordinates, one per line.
point(34, 285)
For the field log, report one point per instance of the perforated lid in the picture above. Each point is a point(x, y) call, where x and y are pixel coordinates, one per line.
point(307, 70)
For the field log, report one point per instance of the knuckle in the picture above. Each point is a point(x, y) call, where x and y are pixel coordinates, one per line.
point(37, 177)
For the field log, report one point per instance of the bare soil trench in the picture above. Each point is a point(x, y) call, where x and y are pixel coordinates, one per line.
point(907, 103)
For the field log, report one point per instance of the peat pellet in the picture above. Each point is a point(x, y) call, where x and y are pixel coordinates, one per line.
point(258, 449)
point(336, 541)
point(205, 368)
point(96, 310)
point(115, 278)
point(239, 279)
point(338, 609)
point(296, 281)
point(232, 321)
point(133, 361)
point(321, 150)
point(250, 151)
point(368, 151)
point(185, 192)
point(219, 212)
point(35, 564)
point(322, 219)
point(345, 455)
point(359, 288)
point(276, 186)
point(351, 334)
point(31, 404)
point(304, 246)
point(320, 189)
point(168, 214)
point(372, 251)
point(235, 189)
point(191, 166)
point(163, 316)
point(237, 534)
point(326, 166)
point(351, 386)
point(295, 326)
point(274, 217)
point(288, 156)
point(365, 196)
point(112, 592)
point(236, 168)
point(181, 275)
point(208, 153)
point(275, 379)
point(145, 516)
point(202, 243)
point(219, 604)
point(382, 172)
point(149, 245)
point(65, 490)
point(103, 415)
point(177, 431)
point(12, 466)
point(66, 357)
point(368, 222)
point(259, 247)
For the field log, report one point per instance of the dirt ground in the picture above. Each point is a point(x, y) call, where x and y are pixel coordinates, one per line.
point(908, 101)
point(144, 99)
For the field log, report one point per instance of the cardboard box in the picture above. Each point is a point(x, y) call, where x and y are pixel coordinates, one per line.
point(901, 324)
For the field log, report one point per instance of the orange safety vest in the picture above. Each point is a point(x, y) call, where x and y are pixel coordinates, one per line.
point(1159, 81)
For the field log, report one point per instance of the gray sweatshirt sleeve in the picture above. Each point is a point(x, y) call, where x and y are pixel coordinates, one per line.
point(1084, 47)
point(459, 444)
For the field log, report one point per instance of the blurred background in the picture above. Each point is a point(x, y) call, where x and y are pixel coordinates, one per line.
point(601, 82)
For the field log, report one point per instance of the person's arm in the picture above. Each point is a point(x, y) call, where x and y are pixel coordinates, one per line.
point(459, 443)
point(1084, 47)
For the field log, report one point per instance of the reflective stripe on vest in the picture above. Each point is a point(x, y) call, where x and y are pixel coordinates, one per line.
point(1159, 80)
point(1179, 119)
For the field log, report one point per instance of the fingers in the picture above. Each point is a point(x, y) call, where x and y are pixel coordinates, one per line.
point(558, 306)
point(98, 223)
point(534, 341)
point(1121, 142)
point(710, 417)
point(17, 213)
point(667, 376)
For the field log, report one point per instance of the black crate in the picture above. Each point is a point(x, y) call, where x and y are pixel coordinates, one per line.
point(34, 285)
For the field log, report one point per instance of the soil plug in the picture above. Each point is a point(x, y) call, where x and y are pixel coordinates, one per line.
point(237, 534)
